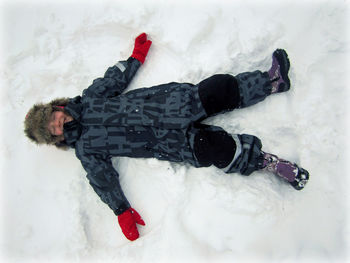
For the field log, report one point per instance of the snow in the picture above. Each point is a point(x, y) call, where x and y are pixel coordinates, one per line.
point(56, 49)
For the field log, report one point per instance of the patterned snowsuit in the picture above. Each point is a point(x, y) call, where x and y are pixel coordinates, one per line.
point(160, 122)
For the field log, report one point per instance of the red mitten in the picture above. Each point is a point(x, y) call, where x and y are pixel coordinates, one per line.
point(128, 221)
point(141, 48)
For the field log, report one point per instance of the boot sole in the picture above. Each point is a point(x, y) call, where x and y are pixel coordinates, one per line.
point(283, 60)
point(301, 184)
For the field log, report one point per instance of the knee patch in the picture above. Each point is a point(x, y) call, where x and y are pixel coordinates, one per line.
point(219, 93)
point(214, 148)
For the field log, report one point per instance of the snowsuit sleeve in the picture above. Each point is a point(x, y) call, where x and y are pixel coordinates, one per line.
point(104, 179)
point(115, 80)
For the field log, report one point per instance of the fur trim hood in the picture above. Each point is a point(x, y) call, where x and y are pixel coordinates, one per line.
point(36, 121)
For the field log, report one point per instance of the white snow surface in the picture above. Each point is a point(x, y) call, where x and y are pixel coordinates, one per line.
point(55, 49)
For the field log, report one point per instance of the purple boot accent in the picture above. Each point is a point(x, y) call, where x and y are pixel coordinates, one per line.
point(278, 72)
point(286, 170)
point(291, 172)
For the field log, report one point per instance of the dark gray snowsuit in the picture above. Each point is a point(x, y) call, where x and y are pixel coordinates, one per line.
point(159, 122)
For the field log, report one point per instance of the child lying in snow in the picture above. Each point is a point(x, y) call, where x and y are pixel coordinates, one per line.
point(162, 122)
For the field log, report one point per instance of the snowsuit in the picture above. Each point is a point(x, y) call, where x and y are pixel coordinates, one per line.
point(160, 122)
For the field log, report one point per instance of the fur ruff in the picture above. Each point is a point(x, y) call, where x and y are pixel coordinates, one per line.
point(36, 122)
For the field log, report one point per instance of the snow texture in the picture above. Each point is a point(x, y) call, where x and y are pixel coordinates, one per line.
point(55, 49)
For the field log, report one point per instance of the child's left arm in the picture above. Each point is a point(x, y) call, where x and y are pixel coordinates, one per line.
point(118, 77)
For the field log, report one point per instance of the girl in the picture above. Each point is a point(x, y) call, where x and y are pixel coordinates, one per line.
point(162, 122)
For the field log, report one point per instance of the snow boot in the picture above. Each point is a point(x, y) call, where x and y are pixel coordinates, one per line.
point(279, 71)
point(296, 176)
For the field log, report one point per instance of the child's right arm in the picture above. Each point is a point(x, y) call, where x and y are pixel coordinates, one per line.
point(118, 77)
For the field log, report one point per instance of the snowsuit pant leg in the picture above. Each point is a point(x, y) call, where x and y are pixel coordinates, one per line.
point(214, 146)
point(223, 92)
point(253, 87)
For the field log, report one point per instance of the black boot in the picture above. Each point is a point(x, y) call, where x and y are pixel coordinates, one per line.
point(278, 72)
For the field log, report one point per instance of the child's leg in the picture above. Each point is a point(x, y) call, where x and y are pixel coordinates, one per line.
point(256, 86)
point(224, 92)
point(240, 154)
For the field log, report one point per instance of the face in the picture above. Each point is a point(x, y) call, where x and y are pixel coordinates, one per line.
point(57, 119)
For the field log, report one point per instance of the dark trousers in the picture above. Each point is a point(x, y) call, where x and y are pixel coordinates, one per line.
point(213, 145)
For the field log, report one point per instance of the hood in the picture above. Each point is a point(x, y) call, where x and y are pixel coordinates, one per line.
point(36, 121)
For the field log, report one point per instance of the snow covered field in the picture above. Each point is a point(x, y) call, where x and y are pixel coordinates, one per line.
point(49, 211)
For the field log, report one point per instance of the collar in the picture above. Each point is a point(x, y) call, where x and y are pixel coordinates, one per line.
point(71, 132)
point(74, 108)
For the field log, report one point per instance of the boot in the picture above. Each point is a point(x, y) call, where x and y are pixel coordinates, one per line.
point(278, 72)
point(296, 176)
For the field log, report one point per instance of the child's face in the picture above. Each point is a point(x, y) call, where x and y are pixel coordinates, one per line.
point(57, 119)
